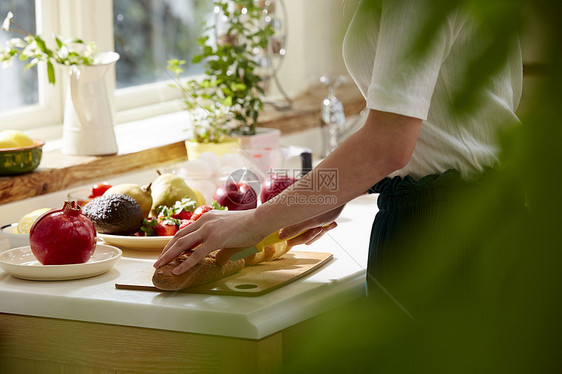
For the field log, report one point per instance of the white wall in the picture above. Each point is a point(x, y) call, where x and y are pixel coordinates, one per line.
point(315, 34)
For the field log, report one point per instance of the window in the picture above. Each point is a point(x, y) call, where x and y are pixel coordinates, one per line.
point(146, 33)
point(149, 32)
point(26, 99)
point(17, 88)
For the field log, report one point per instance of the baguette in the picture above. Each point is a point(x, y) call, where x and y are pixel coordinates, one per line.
point(203, 272)
point(207, 270)
point(270, 252)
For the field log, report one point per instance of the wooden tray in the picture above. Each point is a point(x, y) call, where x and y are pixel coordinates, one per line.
point(251, 281)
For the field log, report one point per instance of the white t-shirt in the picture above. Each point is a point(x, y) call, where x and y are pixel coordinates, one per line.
point(376, 49)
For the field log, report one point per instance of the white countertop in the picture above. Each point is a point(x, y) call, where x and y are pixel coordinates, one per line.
point(97, 300)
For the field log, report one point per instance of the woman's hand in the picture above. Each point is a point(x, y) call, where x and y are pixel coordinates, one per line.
point(311, 229)
point(234, 230)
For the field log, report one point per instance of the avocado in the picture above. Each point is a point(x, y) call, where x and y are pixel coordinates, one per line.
point(114, 214)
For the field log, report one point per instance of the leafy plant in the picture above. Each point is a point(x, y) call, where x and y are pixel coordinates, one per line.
point(71, 51)
point(231, 92)
point(213, 120)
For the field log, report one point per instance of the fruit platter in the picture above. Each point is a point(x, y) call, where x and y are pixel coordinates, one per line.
point(138, 243)
point(131, 216)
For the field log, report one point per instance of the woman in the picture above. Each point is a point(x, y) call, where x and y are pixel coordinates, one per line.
point(414, 148)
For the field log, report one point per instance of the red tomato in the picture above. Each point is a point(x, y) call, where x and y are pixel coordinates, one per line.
point(99, 189)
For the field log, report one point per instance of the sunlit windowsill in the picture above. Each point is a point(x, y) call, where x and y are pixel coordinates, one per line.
point(153, 141)
point(139, 135)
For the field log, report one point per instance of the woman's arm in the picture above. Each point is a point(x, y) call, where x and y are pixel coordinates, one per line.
point(384, 144)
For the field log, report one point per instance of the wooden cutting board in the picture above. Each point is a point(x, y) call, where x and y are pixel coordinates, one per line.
point(250, 281)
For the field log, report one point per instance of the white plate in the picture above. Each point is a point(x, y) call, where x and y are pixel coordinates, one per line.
point(150, 243)
point(21, 263)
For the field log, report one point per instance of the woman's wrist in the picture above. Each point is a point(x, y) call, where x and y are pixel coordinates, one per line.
point(262, 222)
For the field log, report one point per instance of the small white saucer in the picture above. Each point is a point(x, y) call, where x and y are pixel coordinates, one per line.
point(21, 263)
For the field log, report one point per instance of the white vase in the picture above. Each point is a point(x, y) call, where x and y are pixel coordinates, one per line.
point(88, 128)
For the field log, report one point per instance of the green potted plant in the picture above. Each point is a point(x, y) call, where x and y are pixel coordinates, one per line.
point(212, 121)
point(227, 102)
point(34, 48)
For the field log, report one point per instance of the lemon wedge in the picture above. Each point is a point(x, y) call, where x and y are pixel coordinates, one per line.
point(25, 223)
point(8, 143)
point(199, 197)
point(14, 138)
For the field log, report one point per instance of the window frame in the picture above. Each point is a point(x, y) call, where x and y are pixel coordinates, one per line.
point(49, 109)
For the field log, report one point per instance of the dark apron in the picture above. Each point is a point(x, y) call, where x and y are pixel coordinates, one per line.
point(427, 233)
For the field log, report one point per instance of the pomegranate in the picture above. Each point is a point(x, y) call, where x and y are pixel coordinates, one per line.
point(63, 236)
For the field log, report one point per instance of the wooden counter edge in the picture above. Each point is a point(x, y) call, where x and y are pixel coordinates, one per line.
point(31, 344)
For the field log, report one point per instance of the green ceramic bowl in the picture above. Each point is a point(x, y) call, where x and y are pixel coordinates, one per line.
point(21, 160)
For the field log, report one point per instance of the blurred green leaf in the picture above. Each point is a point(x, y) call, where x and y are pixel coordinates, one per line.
point(51, 72)
point(59, 42)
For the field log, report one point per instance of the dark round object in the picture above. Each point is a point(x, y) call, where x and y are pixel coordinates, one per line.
point(114, 214)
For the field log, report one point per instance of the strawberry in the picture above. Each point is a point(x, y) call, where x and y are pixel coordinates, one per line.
point(163, 229)
point(166, 226)
point(185, 223)
point(182, 215)
point(164, 213)
point(200, 211)
point(147, 228)
point(184, 205)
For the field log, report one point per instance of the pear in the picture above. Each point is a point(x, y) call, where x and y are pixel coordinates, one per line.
point(167, 189)
point(143, 195)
